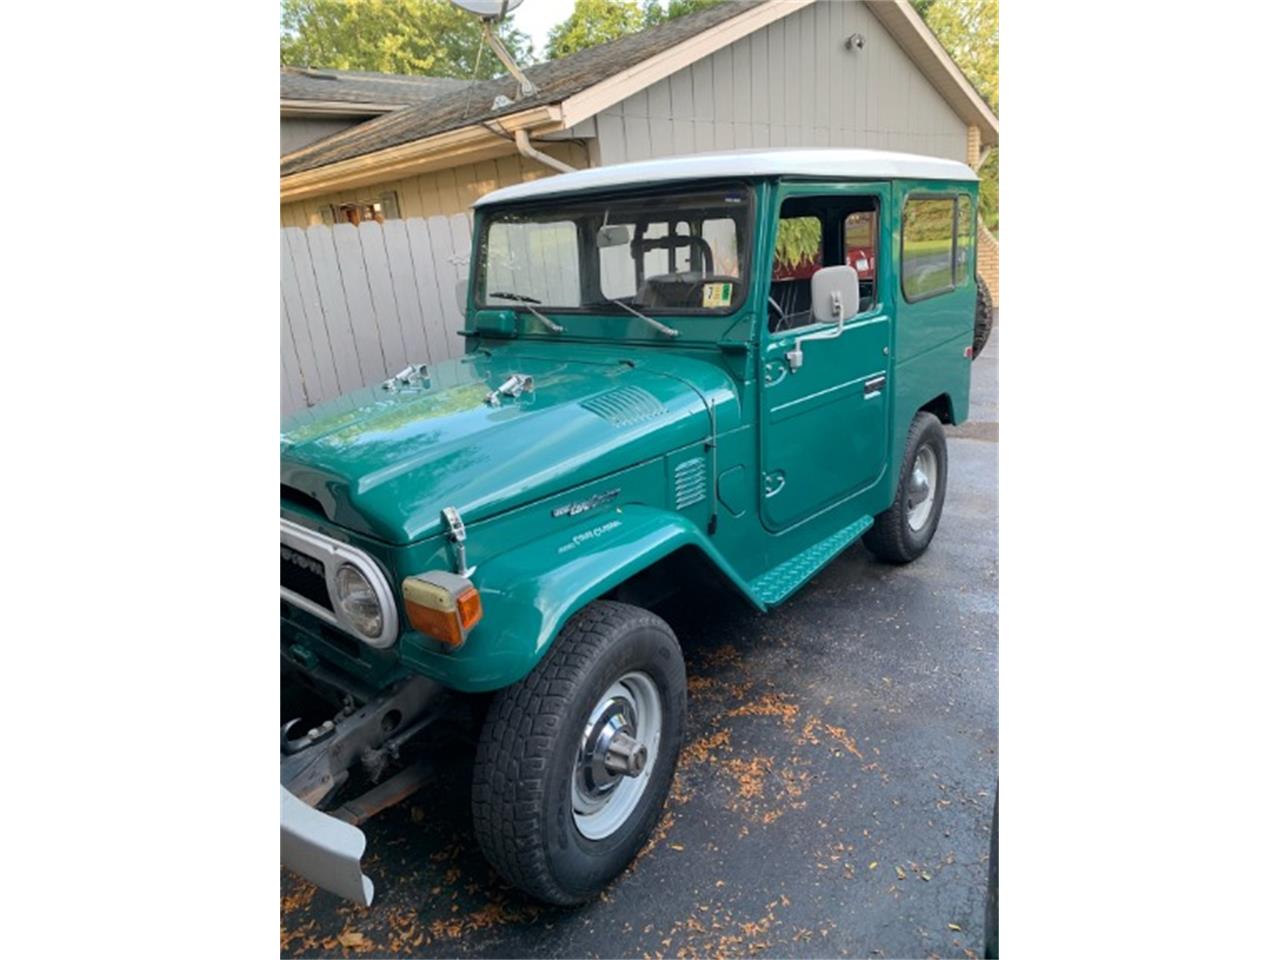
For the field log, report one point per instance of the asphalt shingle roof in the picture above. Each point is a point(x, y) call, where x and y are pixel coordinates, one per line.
point(555, 80)
point(354, 86)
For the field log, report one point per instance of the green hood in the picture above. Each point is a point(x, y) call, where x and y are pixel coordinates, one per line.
point(386, 462)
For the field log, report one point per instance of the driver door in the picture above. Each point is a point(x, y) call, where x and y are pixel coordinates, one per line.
point(824, 421)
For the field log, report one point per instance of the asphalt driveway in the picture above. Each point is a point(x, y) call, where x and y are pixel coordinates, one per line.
point(834, 796)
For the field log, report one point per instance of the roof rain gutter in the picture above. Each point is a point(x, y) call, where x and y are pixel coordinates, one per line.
point(527, 149)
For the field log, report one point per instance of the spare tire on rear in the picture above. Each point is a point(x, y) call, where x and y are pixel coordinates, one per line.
point(983, 319)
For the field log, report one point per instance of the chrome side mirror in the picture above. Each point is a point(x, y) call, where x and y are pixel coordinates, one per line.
point(460, 291)
point(834, 294)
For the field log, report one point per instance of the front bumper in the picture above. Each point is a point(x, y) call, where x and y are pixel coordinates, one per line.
point(323, 849)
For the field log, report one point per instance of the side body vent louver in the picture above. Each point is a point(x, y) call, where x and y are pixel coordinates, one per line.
point(690, 482)
point(624, 406)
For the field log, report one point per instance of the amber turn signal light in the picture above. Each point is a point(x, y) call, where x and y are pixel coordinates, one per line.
point(442, 605)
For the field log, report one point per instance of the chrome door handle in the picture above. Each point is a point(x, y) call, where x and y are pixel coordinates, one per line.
point(873, 386)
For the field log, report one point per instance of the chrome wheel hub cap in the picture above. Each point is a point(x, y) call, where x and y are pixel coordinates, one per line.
point(922, 484)
point(619, 742)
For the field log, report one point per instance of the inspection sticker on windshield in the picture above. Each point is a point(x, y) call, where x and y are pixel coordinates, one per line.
point(716, 295)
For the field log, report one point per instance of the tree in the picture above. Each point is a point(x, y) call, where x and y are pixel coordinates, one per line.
point(593, 22)
point(424, 37)
point(598, 21)
point(655, 11)
point(970, 32)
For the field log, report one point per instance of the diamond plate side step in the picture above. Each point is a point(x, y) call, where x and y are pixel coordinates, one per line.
point(774, 586)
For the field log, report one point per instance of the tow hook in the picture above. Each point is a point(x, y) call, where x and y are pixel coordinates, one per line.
point(310, 738)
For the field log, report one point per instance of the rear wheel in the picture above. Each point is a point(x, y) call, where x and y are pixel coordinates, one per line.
point(904, 531)
point(575, 761)
point(983, 318)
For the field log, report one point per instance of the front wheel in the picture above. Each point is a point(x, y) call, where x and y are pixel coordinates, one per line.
point(575, 761)
point(904, 531)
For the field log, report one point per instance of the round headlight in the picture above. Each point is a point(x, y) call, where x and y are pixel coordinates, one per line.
point(357, 601)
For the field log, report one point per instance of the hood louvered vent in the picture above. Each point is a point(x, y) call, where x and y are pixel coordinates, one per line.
point(691, 482)
point(624, 406)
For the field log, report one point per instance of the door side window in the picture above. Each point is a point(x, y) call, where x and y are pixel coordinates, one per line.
point(797, 256)
point(816, 232)
point(860, 232)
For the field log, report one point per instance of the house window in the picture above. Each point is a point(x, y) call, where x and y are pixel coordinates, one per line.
point(386, 207)
point(928, 247)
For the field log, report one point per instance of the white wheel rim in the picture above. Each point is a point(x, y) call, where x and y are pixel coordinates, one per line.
point(602, 803)
point(922, 487)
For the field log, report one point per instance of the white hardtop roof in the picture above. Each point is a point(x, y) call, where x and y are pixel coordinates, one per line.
point(827, 163)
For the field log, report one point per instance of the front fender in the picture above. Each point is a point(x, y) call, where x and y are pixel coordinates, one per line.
point(528, 593)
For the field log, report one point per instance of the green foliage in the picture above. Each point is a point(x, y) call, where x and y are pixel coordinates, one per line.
point(799, 241)
point(989, 192)
point(655, 11)
point(593, 22)
point(598, 21)
point(424, 37)
point(970, 32)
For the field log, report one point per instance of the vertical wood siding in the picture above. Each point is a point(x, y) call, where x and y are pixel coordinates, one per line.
point(791, 84)
point(358, 304)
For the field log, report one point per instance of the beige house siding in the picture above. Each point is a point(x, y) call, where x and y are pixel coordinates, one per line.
point(298, 132)
point(442, 192)
point(790, 84)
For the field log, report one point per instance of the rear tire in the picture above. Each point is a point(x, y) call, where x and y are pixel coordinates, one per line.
point(543, 806)
point(904, 531)
point(983, 319)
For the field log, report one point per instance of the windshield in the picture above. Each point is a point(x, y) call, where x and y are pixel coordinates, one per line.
point(679, 252)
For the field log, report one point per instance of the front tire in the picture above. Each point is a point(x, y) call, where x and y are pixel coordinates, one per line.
point(575, 761)
point(904, 531)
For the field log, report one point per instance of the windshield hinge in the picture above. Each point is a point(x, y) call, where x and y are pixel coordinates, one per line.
point(513, 386)
point(457, 535)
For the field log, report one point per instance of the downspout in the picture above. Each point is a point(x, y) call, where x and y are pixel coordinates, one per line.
point(527, 149)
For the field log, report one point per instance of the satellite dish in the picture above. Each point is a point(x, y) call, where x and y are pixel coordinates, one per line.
point(489, 9)
point(489, 12)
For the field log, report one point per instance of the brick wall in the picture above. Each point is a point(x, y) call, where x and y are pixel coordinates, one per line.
point(989, 261)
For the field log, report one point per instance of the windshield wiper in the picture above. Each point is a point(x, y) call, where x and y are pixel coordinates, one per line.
point(660, 327)
point(528, 302)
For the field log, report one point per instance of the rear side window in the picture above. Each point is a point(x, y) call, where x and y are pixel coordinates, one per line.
point(928, 246)
point(964, 241)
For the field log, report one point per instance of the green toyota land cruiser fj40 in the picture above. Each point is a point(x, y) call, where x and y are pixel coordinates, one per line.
point(732, 363)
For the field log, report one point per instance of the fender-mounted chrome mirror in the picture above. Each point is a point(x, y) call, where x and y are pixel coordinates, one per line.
point(834, 294)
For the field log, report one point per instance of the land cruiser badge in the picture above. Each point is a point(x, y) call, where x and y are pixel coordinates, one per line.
point(582, 506)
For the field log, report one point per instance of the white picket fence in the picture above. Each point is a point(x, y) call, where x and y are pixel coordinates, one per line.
point(358, 304)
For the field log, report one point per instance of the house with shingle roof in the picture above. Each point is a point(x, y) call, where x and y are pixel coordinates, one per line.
point(742, 74)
